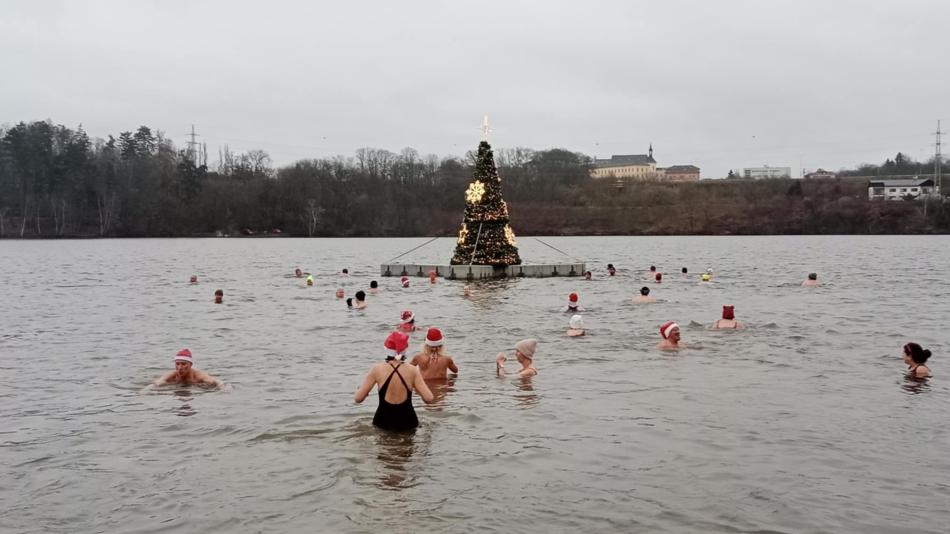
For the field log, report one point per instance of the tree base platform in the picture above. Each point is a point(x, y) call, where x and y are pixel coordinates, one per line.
point(481, 272)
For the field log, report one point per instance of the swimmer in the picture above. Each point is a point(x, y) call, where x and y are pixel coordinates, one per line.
point(576, 326)
point(684, 273)
point(407, 323)
point(812, 281)
point(298, 273)
point(709, 272)
point(373, 287)
point(644, 297)
point(349, 302)
point(218, 296)
point(465, 291)
point(524, 353)
point(915, 357)
point(432, 361)
point(432, 276)
point(706, 277)
point(652, 272)
point(309, 280)
point(728, 320)
point(345, 272)
point(588, 275)
point(671, 336)
point(360, 302)
point(610, 269)
point(340, 293)
point(194, 279)
point(184, 373)
point(572, 305)
point(404, 281)
point(395, 411)
point(659, 278)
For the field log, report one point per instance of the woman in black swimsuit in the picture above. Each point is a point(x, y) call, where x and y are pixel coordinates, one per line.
point(395, 411)
point(916, 358)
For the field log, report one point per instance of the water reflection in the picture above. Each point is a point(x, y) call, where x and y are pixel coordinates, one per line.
point(185, 410)
point(526, 397)
point(440, 389)
point(395, 453)
point(914, 386)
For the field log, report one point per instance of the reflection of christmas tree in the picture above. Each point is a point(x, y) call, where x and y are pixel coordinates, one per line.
point(485, 237)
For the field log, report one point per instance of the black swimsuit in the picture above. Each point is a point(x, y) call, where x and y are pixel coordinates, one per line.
point(397, 417)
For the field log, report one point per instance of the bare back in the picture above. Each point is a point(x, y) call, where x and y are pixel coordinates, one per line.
point(434, 368)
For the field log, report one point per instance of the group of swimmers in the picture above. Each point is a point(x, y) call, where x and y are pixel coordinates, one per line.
point(395, 411)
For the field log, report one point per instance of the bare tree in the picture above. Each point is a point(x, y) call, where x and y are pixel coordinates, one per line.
point(313, 215)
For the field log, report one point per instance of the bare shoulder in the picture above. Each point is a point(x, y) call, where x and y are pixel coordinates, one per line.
point(922, 371)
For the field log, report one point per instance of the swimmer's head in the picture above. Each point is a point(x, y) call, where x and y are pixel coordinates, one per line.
point(728, 312)
point(183, 361)
point(572, 299)
point(345, 271)
point(407, 317)
point(349, 302)
point(526, 348)
point(588, 275)
point(298, 273)
point(360, 296)
point(434, 338)
point(374, 284)
point(339, 292)
point(194, 279)
point(685, 271)
point(659, 278)
point(218, 296)
point(705, 277)
point(433, 273)
point(610, 269)
point(310, 280)
point(653, 268)
point(644, 291)
point(404, 281)
point(915, 353)
point(670, 330)
point(577, 322)
point(465, 290)
point(813, 276)
point(396, 345)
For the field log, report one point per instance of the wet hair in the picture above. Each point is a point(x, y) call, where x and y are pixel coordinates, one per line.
point(644, 291)
point(610, 266)
point(346, 271)
point(916, 353)
point(219, 293)
point(360, 295)
point(659, 277)
point(684, 270)
point(349, 302)
point(653, 267)
point(373, 284)
point(813, 276)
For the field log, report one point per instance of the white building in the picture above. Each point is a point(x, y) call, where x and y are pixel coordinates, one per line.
point(767, 172)
point(899, 189)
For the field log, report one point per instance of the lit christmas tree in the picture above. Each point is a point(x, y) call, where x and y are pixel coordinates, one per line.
point(485, 237)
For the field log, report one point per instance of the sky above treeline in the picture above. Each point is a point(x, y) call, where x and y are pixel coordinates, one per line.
point(721, 85)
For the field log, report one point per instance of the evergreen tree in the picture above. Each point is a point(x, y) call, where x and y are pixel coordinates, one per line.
point(485, 237)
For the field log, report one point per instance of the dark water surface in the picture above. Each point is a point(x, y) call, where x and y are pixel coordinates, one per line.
point(804, 422)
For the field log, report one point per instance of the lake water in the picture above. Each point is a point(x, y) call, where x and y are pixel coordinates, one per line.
point(803, 422)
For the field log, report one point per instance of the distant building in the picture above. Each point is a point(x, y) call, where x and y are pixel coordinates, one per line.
point(767, 172)
point(636, 166)
point(899, 189)
point(820, 173)
point(680, 173)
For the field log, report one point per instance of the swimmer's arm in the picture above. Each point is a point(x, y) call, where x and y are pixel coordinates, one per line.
point(423, 389)
point(452, 367)
point(162, 380)
point(527, 372)
point(500, 364)
point(365, 387)
point(205, 378)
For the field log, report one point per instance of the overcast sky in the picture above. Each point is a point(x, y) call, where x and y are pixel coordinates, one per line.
point(719, 84)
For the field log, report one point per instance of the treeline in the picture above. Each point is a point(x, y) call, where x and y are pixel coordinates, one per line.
point(58, 182)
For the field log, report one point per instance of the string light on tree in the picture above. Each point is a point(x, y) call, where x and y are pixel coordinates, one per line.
point(486, 238)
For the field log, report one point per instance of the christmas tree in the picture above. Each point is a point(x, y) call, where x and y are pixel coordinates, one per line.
point(485, 237)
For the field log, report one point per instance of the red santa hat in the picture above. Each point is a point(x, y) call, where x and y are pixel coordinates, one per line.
point(572, 298)
point(396, 344)
point(667, 329)
point(406, 316)
point(184, 355)
point(434, 337)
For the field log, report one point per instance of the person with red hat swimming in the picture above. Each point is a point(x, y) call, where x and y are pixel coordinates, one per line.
point(728, 320)
point(573, 306)
point(185, 373)
point(407, 323)
point(395, 411)
point(524, 353)
point(433, 275)
point(404, 280)
point(670, 332)
point(432, 360)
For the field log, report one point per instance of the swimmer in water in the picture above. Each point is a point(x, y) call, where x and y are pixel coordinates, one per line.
point(340, 293)
point(610, 269)
point(576, 326)
point(432, 360)
point(812, 281)
point(916, 357)
point(432, 277)
point(298, 273)
point(345, 272)
point(465, 291)
point(395, 412)
point(218, 296)
point(309, 280)
point(360, 301)
point(659, 278)
point(194, 279)
point(651, 274)
point(644, 297)
point(373, 287)
point(407, 323)
point(588, 275)
point(524, 353)
point(404, 281)
point(572, 304)
point(684, 272)
point(728, 320)
point(671, 337)
point(349, 302)
point(706, 277)
point(184, 373)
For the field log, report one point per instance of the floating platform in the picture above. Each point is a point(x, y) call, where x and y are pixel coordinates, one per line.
point(481, 272)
